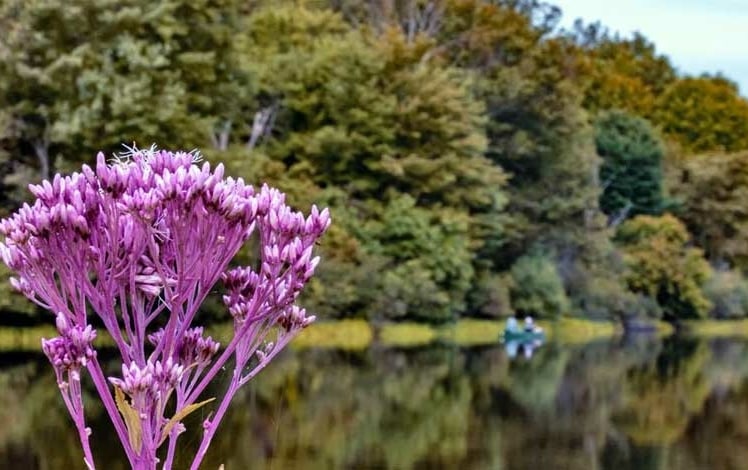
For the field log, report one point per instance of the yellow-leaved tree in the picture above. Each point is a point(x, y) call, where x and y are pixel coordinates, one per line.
point(663, 266)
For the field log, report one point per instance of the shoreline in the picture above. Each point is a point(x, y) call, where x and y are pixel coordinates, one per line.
point(357, 334)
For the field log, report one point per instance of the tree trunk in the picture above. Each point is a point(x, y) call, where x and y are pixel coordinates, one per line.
point(263, 122)
point(221, 138)
point(41, 148)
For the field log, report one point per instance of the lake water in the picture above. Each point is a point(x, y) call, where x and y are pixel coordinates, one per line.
point(630, 404)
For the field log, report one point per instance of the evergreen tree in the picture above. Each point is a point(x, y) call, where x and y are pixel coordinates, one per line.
point(631, 173)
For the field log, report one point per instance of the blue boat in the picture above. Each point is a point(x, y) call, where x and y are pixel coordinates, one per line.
point(527, 334)
point(523, 336)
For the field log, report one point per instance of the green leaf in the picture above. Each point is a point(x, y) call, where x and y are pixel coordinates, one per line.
point(180, 415)
point(132, 419)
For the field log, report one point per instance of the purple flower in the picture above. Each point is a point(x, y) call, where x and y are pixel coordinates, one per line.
point(70, 351)
point(143, 238)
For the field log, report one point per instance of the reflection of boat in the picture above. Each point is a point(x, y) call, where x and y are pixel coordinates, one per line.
point(526, 339)
point(631, 326)
point(512, 347)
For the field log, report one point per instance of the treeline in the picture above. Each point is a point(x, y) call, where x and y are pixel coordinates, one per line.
point(477, 159)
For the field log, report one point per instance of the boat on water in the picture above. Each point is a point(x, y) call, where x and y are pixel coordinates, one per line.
point(523, 336)
point(527, 334)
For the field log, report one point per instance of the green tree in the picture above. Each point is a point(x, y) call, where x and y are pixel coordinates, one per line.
point(712, 190)
point(663, 266)
point(360, 112)
point(399, 143)
point(536, 128)
point(728, 293)
point(539, 133)
point(429, 273)
point(84, 75)
point(537, 287)
point(631, 173)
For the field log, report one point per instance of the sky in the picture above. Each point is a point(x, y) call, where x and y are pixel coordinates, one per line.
point(698, 35)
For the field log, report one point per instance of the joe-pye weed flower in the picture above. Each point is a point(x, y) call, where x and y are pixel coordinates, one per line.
point(139, 242)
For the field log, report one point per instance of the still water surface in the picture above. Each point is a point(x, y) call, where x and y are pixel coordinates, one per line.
point(632, 404)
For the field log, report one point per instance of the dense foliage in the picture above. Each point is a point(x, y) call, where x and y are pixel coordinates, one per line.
point(713, 190)
point(663, 266)
point(537, 288)
point(453, 140)
point(631, 174)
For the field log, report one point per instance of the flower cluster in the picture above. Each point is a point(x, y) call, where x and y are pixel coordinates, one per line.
point(295, 318)
point(193, 349)
point(70, 351)
point(196, 349)
point(150, 383)
point(142, 241)
point(287, 263)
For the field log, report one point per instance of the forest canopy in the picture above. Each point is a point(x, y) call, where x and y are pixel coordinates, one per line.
point(478, 160)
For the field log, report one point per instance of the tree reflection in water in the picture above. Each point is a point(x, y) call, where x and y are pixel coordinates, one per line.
point(637, 404)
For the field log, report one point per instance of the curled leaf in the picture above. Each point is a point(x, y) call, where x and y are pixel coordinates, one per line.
point(179, 416)
point(132, 419)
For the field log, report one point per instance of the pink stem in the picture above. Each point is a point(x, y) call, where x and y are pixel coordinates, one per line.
point(173, 436)
point(75, 408)
point(106, 397)
point(213, 425)
point(83, 434)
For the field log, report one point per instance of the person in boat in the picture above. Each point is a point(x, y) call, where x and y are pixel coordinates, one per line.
point(512, 325)
point(530, 326)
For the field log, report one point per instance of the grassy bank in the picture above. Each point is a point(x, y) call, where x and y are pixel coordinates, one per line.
point(580, 331)
point(716, 328)
point(24, 339)
point(360, 334)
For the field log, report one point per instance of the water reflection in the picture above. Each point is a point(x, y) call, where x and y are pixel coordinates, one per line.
point(513, 348)
point(636, 404)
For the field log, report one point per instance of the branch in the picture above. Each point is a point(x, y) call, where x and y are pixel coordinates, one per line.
point(261, 125)
point(220, 139)
point(621, 216)
point(41, 148)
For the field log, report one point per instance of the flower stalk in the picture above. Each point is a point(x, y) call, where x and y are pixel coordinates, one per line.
point(140, 242)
